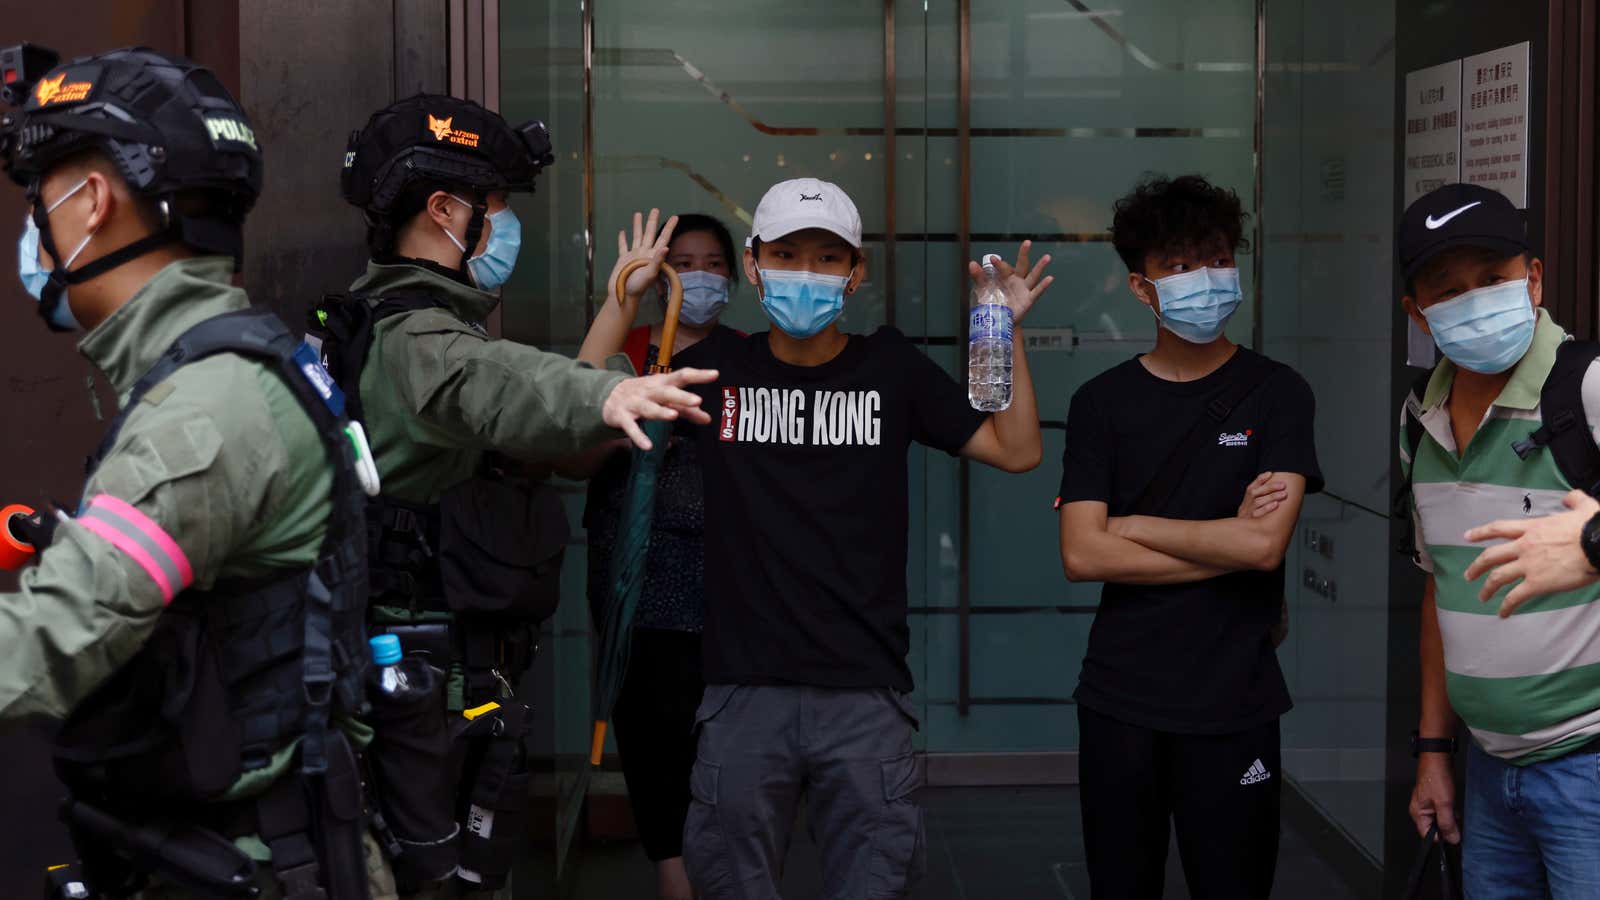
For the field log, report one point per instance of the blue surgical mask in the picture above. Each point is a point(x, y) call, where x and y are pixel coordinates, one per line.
point(802, 303)
point(1197, 304)
point(1485, 330)
point(704, 296)
point(34, 278)
point(492, 268)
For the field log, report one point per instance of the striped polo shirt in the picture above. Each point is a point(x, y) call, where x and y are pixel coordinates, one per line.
point(1529, 685)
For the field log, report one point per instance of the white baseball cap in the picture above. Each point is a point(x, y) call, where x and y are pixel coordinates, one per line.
point(800, 203)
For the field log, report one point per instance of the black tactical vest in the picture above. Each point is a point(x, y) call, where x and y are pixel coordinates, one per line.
point(233, 676)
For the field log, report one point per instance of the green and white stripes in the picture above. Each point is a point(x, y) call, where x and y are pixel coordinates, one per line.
point(1529, 685)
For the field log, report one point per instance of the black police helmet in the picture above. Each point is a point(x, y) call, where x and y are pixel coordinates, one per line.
point(439, 139)
point(167, 124)
point(432, 139)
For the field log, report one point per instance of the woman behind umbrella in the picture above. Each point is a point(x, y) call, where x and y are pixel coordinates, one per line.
point(654, 716)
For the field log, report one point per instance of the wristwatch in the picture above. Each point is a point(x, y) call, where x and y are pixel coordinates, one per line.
point(1589, 539)
point(1421, 745)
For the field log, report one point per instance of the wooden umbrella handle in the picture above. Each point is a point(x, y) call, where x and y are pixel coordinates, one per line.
point(669, 327)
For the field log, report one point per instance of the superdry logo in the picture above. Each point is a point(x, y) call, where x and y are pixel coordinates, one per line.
point(781, 416)
point(1235, 439)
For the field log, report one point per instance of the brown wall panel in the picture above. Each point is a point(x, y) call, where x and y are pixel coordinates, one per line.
point(310, 72)
point(307, 73)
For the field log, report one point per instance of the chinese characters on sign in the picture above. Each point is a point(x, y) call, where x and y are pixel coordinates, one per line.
point(1494, 121)
point(1049, 339)
point(1433, 128)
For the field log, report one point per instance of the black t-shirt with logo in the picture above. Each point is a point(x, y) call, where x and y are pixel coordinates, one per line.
point(805, 491)
point(1191, 658)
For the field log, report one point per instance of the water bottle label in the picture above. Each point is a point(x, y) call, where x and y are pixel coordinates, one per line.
point(990, 320)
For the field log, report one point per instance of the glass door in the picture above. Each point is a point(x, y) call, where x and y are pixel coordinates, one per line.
point(958, 127)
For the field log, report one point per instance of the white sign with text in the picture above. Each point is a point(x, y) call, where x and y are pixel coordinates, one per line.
point(1494, 121)
point(1433, 128)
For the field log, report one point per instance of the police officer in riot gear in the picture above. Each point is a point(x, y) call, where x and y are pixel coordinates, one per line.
point(465, 559)
point(197, 620)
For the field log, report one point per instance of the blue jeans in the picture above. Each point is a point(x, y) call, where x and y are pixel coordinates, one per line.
point(1532, 831)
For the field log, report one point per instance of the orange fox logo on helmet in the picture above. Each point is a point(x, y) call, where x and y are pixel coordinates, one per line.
point(56, 90)
point(443, 131)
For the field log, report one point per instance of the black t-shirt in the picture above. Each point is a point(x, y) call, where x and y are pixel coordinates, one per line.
point(805, 491)
point(1191, 658)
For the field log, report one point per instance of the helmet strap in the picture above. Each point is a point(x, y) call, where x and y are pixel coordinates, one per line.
point(55, 290)
point(480, 210)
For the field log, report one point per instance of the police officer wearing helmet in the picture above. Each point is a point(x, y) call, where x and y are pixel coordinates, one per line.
point(197, 619)
point(465, 559)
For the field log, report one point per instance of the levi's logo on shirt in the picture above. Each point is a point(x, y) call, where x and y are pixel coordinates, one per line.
point(818, 418)
point(1235, 439)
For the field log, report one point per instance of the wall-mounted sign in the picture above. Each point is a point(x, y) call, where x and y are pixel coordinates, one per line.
point(1060, 340)
point(1433, 128)
point(1494, 121)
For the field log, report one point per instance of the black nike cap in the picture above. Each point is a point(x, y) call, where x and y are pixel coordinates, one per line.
point(1458, 215)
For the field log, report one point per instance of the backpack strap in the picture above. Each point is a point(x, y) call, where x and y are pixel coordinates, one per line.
point(1251, 371)
point(346, 323)
point(1400, 506)
point(1564, 425)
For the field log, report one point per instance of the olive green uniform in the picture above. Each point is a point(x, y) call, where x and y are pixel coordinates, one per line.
point(217, 459)
point(437, 393)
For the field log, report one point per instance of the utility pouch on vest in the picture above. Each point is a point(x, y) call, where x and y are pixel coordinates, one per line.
point(415, 784)
point(496, 803)
point(428, 640)
point(500, 548)
point(160, 730)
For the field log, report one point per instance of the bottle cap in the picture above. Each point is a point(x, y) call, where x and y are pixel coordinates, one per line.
point(385, 649)
point(989, 259)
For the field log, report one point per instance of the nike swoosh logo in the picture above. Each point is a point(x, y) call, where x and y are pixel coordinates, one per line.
point(1433, 223)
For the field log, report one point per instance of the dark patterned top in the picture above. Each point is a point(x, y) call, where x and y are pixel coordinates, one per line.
point(673, 595)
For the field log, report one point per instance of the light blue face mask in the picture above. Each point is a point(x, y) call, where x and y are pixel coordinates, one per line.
point(1197, 304)
point(34, 278)
point(802, 303)
point(704, 296)
point(492, 268)
point(1485, 330)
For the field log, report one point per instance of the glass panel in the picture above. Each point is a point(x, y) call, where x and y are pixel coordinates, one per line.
point(541, 49)
point(698, 111)
point(1069, 110)
point(1329, 182)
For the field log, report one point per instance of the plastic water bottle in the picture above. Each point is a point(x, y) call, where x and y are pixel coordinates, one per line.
point(989, 343)
point(386, 656)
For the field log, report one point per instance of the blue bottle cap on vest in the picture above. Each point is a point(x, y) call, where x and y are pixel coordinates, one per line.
point(385, 649)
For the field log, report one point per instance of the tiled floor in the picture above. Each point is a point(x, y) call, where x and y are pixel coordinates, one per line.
point(983, 844)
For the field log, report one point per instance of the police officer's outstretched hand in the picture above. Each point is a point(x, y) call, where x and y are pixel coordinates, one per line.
point(655, 397)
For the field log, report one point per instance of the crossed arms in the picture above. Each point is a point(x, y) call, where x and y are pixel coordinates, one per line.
point(1152, 550)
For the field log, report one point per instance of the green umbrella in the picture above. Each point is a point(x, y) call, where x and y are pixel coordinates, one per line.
point(633, 531)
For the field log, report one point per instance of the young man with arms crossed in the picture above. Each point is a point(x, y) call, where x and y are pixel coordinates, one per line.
point(1180, 693)
point(806, 516)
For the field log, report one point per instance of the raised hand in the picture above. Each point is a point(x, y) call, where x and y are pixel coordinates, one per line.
point(1022, 282)
point(648, 243)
